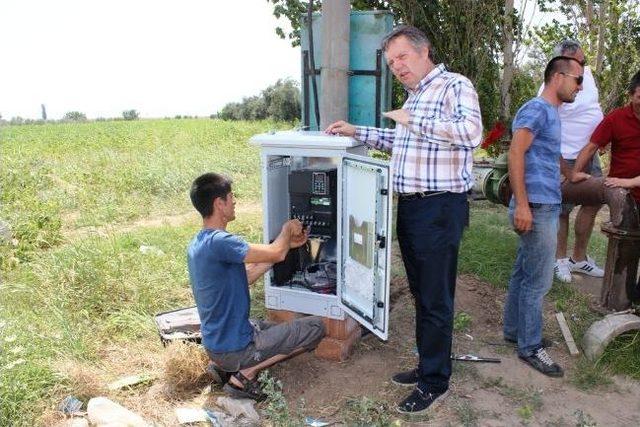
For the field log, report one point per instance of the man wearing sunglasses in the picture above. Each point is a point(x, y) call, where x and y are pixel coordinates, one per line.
point(534, 173)
point(578, 119)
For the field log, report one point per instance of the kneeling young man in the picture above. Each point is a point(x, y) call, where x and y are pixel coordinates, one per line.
point(221, 268)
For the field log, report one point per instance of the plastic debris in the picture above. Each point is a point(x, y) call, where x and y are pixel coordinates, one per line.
point(315, 422)
point(191, 415)
point(130, 381)
point(70, 405)
point(217, 419)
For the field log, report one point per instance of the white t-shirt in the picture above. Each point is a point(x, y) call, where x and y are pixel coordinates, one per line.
point(579, 118)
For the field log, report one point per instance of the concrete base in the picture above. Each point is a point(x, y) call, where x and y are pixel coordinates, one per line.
point(602, 332)
point(338, 350)
point(341, 336)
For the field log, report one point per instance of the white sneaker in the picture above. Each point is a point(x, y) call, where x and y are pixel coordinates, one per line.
point(586, 267)
point(561, 270)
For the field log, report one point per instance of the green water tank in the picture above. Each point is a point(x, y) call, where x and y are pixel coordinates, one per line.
point(369, 76)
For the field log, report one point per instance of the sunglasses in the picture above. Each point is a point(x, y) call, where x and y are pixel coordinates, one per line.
point(579, 79)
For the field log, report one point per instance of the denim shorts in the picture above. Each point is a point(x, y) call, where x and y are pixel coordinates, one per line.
point(593, 168)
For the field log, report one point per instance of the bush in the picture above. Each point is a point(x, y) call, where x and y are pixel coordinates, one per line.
point(130, 115)
point(280, 101)
point(283, 100)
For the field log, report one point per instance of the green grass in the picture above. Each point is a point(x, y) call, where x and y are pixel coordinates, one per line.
point(67, 296)
point(489, 244)
point(91, 174)
point(622, 357)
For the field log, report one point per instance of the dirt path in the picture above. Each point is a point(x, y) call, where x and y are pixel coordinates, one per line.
point(173, 220)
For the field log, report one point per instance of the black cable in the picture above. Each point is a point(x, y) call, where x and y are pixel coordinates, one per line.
point(312, 63)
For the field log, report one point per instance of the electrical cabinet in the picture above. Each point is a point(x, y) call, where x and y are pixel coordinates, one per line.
point(344, 198)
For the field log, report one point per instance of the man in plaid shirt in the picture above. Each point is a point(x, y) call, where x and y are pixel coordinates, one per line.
point(431, 147)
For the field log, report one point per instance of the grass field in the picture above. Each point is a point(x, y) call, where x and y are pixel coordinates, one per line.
point(75, 281)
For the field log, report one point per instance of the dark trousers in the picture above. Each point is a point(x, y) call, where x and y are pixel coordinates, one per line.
point(429, 232)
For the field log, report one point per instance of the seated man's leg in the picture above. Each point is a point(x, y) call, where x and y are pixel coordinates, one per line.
point(580, 262)
point(276, 343)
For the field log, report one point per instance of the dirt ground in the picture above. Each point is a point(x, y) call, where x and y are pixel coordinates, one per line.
point(485, 394)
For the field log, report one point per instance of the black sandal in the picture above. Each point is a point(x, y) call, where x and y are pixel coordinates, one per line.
point(251, 389)
point(219, 376)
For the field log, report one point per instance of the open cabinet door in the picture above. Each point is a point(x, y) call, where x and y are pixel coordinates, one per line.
point(366, 242)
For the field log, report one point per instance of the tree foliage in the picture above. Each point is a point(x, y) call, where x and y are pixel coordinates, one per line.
point(75, 116)
point(609, 31)
point(280, 101)
point(130, 115)
point(466, 36)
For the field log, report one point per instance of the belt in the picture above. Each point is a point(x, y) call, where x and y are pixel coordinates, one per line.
point(419, 195)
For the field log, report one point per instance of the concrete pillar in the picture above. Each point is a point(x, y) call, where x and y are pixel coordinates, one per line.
point(334, 101)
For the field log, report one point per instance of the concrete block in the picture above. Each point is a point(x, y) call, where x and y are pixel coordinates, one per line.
point(102, 411)
point(602, 332)
point(340, 329)
point(238, 407)
point(338, 350)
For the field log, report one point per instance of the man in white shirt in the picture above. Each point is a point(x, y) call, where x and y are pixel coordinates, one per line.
point(578, 121)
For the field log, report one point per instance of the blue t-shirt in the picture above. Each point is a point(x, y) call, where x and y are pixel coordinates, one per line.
point(221, 290)
point(542, 160)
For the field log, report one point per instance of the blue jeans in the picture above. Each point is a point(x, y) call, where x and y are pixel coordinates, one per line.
point(429, 232)
point(531, 278)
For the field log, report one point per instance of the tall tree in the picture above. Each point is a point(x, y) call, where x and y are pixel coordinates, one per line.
point(507, 53)
point(609, 31)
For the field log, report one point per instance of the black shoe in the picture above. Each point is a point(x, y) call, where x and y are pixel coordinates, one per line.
point(244, 393)
point(545, 343)
point(406, 378)
point(542, 362)
point(419, 402)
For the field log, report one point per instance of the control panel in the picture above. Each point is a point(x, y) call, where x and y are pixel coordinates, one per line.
point(312, 195)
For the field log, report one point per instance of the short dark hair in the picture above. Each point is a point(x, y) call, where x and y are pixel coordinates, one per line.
point(206, 188)
point(559, 64)
point(566, 46)
point(417, 38)
point(634, 83)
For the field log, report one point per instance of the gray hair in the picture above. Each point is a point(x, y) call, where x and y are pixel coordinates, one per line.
point(566, 47)
point(416, 37)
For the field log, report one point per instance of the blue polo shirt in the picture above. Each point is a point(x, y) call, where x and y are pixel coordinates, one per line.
point(221, 290)
point(542, 160)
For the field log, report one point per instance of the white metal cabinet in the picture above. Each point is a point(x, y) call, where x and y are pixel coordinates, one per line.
point(363, 224)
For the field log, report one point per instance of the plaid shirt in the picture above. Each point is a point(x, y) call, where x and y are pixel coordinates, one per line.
point(433, 153)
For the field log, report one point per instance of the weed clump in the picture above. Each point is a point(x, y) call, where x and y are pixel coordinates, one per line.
point(83, 381)
point(185, 367)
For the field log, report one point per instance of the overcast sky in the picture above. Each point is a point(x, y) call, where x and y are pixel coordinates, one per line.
point(160, 57)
